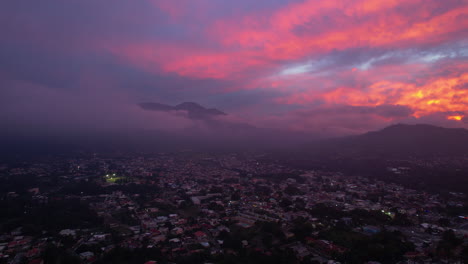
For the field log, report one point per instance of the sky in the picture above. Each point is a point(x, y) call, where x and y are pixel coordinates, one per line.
point(334, 67)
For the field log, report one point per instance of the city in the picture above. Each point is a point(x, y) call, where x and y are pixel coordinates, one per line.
point(191, 207)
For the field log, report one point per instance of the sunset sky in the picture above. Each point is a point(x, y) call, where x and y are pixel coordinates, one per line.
point(341, 66)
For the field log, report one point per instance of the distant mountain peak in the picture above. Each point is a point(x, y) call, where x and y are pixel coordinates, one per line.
point(411, 126)
point(189, 104)
point(194, 110)
point(418, 139)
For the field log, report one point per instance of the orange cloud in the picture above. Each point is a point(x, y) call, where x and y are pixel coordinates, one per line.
point(438, 95)
point(455, 117)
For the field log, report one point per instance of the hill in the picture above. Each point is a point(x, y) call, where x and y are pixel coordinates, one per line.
point(401, 141)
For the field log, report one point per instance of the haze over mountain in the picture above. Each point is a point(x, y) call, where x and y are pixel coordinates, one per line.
point(422, 156)
point(398, 141)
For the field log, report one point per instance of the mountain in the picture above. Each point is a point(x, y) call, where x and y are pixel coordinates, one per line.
point(431, 157)
point(400, 140)
point(194, 110)
point(418, 140)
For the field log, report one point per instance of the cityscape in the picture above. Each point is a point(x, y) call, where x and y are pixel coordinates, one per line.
point(192, 207)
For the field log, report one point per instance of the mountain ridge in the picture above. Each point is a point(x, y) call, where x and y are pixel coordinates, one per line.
point(403, 140)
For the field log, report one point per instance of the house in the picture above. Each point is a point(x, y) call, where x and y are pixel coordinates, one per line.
point(67, 232)
point(36, 261)
point(86, 255)
point(200, 235)
point(370, 230)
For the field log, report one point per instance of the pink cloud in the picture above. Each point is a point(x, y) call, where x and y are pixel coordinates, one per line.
point(300, 51)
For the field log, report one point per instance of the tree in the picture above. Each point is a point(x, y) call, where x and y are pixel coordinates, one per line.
point(448, 243)
point(292, 190)
point(236, 196)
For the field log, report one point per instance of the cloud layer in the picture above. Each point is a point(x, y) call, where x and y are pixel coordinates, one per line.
point(334, 66)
